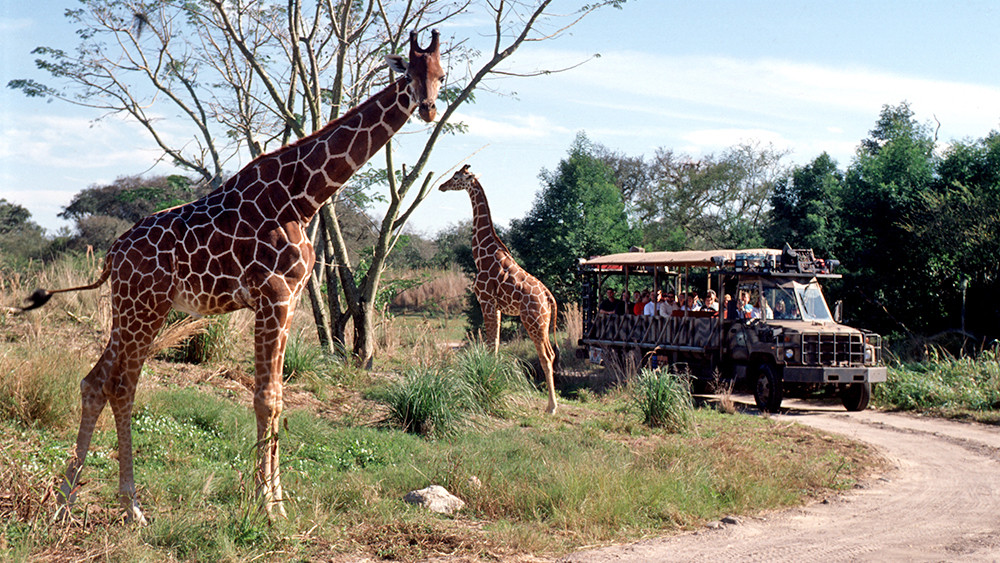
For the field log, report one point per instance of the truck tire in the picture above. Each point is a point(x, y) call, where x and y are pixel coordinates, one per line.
point(856, 396)
point(767, 390)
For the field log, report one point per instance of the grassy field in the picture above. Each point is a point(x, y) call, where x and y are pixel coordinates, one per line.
point(943, 385)
point(595, 473)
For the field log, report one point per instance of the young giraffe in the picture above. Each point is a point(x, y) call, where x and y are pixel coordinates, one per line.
point(242, 246)
point(504, 287)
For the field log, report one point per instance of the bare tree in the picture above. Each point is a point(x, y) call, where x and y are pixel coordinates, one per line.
point(248, 76)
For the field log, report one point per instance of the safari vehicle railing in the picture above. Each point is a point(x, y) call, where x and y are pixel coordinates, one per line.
point(695, 332)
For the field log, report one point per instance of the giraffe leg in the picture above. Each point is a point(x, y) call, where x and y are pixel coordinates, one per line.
point(139, 327)
point(93, 401)
point(122, 399)
point(271, 335)
point(538, 330)
point(491, 324)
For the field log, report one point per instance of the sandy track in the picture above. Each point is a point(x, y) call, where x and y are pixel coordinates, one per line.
point(939, 501)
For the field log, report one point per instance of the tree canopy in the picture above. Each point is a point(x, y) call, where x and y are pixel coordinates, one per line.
point(579, 212)
point(243, 75)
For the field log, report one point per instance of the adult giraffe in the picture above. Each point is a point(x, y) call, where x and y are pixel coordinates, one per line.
point(502, 286)
point(242, 246)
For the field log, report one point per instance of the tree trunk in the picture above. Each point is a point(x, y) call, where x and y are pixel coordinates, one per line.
point(364, 337)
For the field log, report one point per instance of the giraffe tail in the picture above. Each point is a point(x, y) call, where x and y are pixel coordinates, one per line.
point(41, 296)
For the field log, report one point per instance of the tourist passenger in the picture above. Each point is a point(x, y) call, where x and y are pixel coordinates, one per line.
point(761, 310)
point(745, 308)
point(711, 304)
point(623, 307)
point(693, 303)
point(650, 309)
point(779, 309)
point(668, 306)
point(609, 304)
point(640, 303)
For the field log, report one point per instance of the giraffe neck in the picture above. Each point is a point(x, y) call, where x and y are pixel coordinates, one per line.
point(321, 163)
point(486, 244)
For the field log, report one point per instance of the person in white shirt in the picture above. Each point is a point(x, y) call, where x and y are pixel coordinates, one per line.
point(667, 306)
point(650, 309)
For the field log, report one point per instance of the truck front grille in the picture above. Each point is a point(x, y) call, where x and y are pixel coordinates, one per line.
point(830, 349)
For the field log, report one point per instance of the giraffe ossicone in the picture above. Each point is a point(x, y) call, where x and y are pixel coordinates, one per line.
point(242, 246)
point(504, 287)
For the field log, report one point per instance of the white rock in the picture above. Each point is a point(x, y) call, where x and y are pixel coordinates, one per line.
point(436, 499)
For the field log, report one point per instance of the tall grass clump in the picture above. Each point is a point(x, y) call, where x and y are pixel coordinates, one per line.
point(943, 382)
point(664, 400)
point(428, 401)
point(573, 317)
point(39, 383)
point(196, 340)
point(492, 378)
point(301, 357)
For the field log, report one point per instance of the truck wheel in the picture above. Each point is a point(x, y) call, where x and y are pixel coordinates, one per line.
point(767, 391)
point(856, 396)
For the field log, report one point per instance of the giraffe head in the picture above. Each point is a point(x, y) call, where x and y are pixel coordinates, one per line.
point(424, 74)
point(462, 180)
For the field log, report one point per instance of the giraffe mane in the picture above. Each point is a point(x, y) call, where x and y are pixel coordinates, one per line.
point(330, 125)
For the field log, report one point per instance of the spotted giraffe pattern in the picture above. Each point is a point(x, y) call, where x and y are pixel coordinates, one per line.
point(504, 287)
point(242, 246)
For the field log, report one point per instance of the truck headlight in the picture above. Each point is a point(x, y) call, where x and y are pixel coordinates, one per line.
point(789, 353)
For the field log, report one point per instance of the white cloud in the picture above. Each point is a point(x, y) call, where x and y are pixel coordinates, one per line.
point(724, 138)
point(74, 142)
point(8, 25)
point(511, 127)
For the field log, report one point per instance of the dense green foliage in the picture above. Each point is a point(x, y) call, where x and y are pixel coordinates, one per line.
point(428, 401)
point(21, 239)
point(915, 229)
point(579, 212)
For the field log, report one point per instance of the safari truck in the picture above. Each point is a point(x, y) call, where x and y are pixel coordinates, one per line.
point(775, 335)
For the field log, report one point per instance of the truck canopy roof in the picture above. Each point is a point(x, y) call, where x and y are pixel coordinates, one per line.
point(685, 258)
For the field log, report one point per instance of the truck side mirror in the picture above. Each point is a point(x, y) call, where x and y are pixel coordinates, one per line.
point(838, 311)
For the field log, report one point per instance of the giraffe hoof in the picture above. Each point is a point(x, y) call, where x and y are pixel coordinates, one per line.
point(62, 515)
point(134, 516)
point(551, 409)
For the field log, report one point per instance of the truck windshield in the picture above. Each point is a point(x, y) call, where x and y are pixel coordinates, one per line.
point(813, 305)
point(781, 303)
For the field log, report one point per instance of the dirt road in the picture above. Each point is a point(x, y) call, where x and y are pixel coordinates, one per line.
point(939, 501)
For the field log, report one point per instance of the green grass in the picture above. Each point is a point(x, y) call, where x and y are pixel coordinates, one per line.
point(959, 387)
point(547, 484)
point(663, 400)
point(492, 378)
point(428, 401)
point(302, 358)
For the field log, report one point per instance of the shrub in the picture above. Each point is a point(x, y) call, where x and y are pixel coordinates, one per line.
point(428, 401)
point(301, 357)
point(664, 400)
point(490, 377)
point(943, 382)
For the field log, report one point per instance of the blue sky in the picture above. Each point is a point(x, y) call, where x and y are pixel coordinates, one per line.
point(695, 77)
